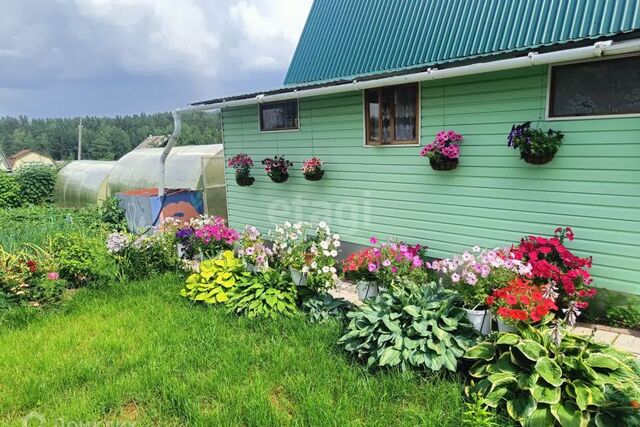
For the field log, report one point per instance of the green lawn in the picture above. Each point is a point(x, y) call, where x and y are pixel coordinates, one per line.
point(139, 352)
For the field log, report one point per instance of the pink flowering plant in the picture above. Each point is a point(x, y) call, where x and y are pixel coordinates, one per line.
point(253, 248)
point(393, 260)
point(443, 148)
point(207, 236)
point(277, 167)
point(475, 273)
point(312, 169)
point(242, 163)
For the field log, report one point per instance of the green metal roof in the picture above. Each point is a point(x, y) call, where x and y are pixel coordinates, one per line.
point(349, 38)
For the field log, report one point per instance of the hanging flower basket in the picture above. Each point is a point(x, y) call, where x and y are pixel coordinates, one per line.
point(242, 163)
point(279, 177)
point(537, 159)
point(536, 146)
point(443, 164)
point(244, 179)
point(277, 167)
point(312, 169)
point(443, 152)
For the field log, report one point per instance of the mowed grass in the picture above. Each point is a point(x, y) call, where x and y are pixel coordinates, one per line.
point(138, 352)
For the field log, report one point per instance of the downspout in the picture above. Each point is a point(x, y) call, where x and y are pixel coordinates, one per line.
point(177, 130)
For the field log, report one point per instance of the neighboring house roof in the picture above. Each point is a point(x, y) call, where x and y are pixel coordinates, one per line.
point(348, 39)
point(4, 164)
point(153, 141)
point(22, 153)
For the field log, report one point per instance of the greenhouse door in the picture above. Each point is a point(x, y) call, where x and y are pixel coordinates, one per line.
point(214, 192)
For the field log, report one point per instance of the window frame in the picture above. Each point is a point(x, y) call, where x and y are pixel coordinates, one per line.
point(293, 129)
point(548, 117)
point(365, 122)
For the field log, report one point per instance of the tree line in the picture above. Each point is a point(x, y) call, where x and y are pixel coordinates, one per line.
point(103, 138)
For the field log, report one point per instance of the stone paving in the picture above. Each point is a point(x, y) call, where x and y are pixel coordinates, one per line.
point(621, 338)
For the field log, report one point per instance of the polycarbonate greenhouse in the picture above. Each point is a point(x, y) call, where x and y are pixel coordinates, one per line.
point(83, 182)
point(191, 167)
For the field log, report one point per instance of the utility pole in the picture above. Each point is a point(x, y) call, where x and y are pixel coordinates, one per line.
point(80, 140)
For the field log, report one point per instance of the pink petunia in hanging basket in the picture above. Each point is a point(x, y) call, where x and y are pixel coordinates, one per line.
point(444, 151)
point(312, 169)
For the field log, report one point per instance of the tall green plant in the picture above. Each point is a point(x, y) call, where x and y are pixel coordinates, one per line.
point(36, 182)
point(412, 327)
point(9, 191)
point(576, 383)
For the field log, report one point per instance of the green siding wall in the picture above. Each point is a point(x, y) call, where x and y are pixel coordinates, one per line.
point(491, 199)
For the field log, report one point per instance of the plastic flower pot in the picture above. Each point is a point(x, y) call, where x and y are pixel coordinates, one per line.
point(443, 165)
point(299, 278)
point(278, 177)
point(537, 159)
point(505, 327)
point(480, 319)
point(367, 289)
point(244, 180)
point(315, 176)
point(251, 268)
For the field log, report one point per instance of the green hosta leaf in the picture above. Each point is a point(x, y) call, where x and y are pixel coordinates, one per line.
point(389, 357)
point(437, 347)
point(501, 378)
point(505, 364)
point(545, 393)
point(484, 351)
point(527, 381)
point(541, 417)
point(222, 297)
point(531, 349)
point(194, 278)
point(521, 406)
point(549, 371)
point(600, 360)
point(478, 369)
point(450, 361)
point(605, 420)
point(567, 414)
point(412, 310)
point(390, 324)
point(508, 339)
point(583, 395)
point(493, 398)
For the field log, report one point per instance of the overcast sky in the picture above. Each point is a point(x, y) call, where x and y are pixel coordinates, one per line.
point(63, 58)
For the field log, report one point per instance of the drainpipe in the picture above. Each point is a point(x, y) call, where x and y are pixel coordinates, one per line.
point(177, 129)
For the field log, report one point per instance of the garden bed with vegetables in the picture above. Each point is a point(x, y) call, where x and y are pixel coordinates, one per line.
point(488, 325)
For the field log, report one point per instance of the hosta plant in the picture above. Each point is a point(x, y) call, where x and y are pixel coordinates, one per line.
point(323, 307)
point(216, 278)
point(268, 294)
point(412, 327)
point(540, 383)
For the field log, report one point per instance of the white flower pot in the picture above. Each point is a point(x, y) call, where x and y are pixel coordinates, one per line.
point(505, 327)
point(181, 251)
point(298, 277)
point(480, 319)
point(367, 289)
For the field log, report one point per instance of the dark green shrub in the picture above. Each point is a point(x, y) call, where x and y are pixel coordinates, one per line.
point(83, 260)
point(323, 307)
point(9, 191)
point(412, 327)
point(268, 294)
point(36, 182)
point(575, 383)
point(112, 214)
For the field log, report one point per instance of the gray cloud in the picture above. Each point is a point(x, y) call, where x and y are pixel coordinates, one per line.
point(68, 57)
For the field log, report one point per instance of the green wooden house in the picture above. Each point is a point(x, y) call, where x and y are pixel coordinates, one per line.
point(372, 81)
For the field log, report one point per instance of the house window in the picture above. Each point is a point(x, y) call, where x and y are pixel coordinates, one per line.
point(595, 88)
point(391, 115)
point(279, 115)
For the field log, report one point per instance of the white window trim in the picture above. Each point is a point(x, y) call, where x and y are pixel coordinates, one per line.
point(279, 130)
point(418, 129)
point(594, 117)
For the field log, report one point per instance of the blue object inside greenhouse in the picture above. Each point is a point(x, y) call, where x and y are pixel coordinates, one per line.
point(144, 208)
point(344, 39)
